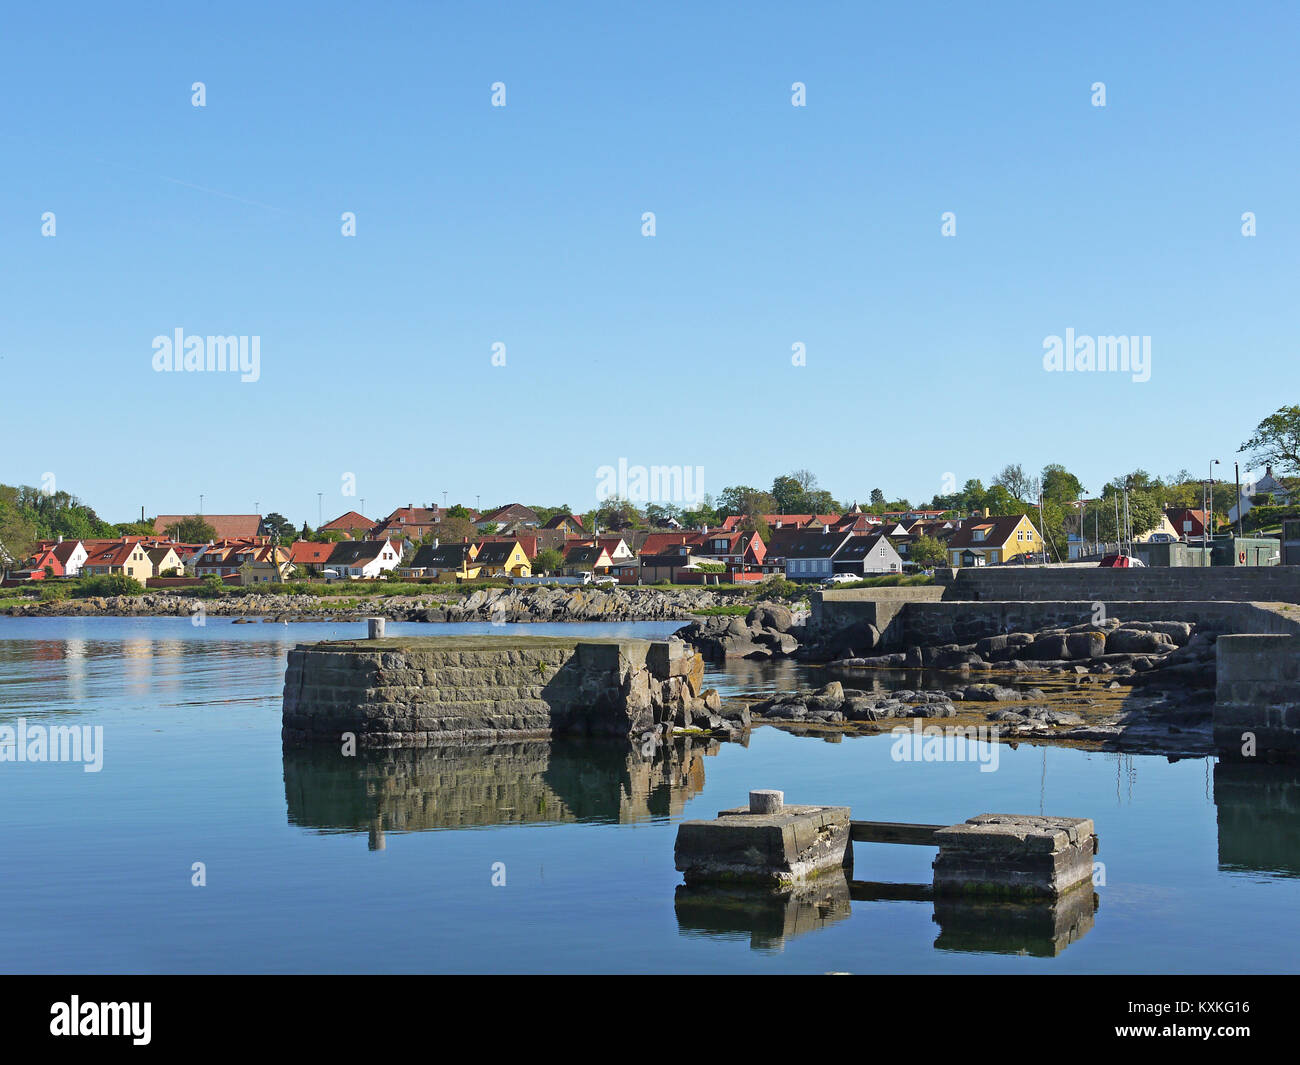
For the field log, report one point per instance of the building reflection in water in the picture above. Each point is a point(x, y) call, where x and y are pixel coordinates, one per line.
point(1258, 810)
point(420, 789)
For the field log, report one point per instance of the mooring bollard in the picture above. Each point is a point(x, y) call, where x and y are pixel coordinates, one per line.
point(766, 802)
point(376, 628)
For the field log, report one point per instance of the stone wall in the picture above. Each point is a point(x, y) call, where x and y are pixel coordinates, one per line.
point(1257, 703)
point(422, 690)
point(881, 608)
point(1251, 584)
point(931, 624)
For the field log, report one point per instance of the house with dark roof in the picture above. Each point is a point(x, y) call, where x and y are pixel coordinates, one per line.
point(446, 562)
point(585, 557)
point(502, 558)
point(866, 556)
point(364, 559)
point(570, 524)
point(810, 556)
point(668, 564)
point(511, 516)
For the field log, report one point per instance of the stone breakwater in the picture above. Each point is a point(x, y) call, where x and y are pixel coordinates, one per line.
point(423, 690)
point(526, 604)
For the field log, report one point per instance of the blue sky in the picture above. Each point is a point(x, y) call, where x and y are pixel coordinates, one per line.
point(775, 225)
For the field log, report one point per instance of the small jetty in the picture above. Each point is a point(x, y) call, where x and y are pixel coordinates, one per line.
point(415, 691)
point(770, 844)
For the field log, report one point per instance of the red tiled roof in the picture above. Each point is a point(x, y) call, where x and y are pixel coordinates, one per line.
point(309, 553)
point(657, 542)
point(349, 522)
point(224, 526)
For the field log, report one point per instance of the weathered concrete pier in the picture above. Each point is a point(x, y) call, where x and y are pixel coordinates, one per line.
point(1024, 856)
point(415, 691)
point(1257, 699)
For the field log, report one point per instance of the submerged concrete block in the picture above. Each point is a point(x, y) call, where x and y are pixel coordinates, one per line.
point(780, 848)
point(1018, 855)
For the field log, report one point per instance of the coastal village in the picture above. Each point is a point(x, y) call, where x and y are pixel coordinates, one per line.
point(514, 542)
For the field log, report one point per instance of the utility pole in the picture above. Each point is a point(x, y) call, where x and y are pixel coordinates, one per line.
point(200, 504)
point(319, 516)
point(1236, 472)
point(1205, 513)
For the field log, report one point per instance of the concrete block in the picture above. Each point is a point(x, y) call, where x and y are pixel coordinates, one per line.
point(794, 844)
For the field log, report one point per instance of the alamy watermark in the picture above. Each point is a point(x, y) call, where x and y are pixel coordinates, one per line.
point(179, 353)
point(650, 484)
point(53, 743)
point(1087, 354)
point(933, 743)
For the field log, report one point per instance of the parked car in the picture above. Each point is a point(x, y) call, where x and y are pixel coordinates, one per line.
point(604, 579)
point(1162, 538)
point(839, 578)
point(1120, 562)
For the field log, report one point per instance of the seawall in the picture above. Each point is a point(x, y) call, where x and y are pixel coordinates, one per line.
point(420, 690)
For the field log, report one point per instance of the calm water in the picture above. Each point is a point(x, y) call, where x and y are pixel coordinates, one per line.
point(385, 863)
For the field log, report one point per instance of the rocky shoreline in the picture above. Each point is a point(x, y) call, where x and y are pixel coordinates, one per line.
point(501, 605)
point(1134, 686)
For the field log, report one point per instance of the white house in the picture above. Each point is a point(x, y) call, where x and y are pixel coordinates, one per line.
point(1268, 484)
point(364, 559)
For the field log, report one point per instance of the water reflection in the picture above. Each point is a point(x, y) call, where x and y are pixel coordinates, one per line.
point(769, 918)
point(1259, 818)
point(479, 785)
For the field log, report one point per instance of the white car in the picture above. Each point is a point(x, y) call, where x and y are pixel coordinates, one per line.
point(840, 578)
point(605, 579)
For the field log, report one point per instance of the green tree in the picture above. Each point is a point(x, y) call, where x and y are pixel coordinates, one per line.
point(278, 525)
point(1059, 484)
point(1014, 479)
point(548, 560)
point(926, 552)
point(877, 499)
point(1276, 442)
point(191, 530)
point(745, 499)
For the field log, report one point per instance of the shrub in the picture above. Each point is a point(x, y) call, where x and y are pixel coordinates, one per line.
point(213, 587)
point(110, 584)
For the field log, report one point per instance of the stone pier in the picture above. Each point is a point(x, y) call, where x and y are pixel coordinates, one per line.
point(416, 691)
point(1015, 855)
point(766, 843)
point(1257, 701)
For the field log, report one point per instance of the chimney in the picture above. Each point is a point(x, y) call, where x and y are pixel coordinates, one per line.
point(60, 539)
point(986, 512)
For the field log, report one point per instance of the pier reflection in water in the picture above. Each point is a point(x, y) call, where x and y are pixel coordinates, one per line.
point(420, 789)
point(769, 918)
point(1258, 812)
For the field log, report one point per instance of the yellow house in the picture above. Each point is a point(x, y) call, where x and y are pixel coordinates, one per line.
point(130, 559)
point(165, 559)
point(265, 565)
point(502, 558)
point(988, 541)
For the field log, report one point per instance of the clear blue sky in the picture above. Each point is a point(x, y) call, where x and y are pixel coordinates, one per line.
point(522, 225)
